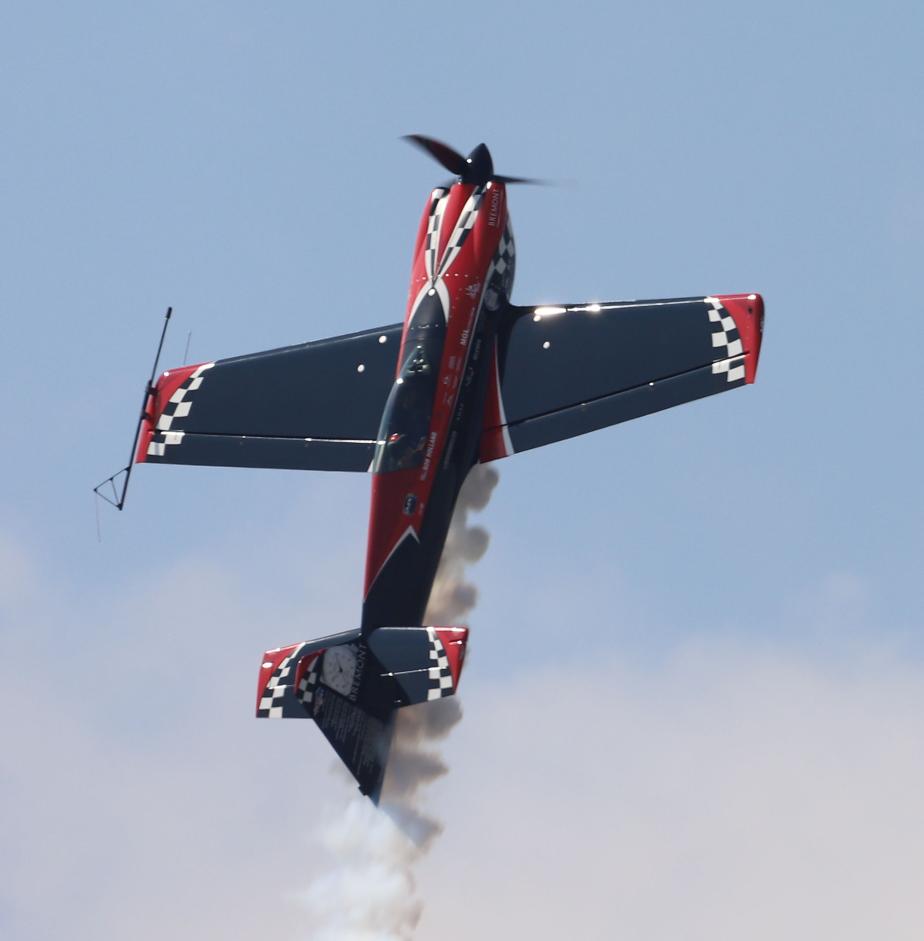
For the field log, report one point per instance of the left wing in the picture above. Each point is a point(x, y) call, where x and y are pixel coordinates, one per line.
point(565, 370)
point(315, 406)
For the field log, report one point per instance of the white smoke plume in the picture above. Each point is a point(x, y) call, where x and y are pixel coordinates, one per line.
point(370, 894)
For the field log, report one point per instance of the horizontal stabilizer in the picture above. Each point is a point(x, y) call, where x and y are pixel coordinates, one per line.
point(351, 684)
point(424, 663)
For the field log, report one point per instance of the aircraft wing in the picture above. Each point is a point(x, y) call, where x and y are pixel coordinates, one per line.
point(565, 370)
point(315, 406)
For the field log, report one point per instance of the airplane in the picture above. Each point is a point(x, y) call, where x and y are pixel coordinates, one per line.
point(468, 377)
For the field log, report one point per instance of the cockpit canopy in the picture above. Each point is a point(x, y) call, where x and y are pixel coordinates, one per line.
point(402, 438)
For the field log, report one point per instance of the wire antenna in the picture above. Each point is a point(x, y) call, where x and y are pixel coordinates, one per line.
point(109, 489)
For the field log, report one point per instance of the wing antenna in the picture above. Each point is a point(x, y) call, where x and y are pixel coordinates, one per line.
point(109, 490)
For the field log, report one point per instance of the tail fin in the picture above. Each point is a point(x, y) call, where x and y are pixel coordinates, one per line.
point(351, 684)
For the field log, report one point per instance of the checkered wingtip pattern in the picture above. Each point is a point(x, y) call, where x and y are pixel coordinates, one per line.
point(440, 682)
point(177, 408)
point(726, 342)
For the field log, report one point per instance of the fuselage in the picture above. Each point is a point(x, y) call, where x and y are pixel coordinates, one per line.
point(446, 379)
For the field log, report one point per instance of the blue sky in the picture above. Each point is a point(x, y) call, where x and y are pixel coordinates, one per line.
point(243, 164)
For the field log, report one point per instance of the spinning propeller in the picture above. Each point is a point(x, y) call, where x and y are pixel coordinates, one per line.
point(477, 168)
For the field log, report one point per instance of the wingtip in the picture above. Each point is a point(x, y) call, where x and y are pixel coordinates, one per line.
point(747, 310)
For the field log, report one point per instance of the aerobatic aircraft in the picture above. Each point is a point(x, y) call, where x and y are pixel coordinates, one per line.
point(468, 377)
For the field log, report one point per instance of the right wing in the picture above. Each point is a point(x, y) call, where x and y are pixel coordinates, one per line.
point(566, 370)
point(315, 406)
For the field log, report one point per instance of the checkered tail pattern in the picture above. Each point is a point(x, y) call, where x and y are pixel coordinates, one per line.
point(440, 682)
point(309, 681)
point(272, 701)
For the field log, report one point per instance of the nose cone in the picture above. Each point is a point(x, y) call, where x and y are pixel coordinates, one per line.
point(479, 167)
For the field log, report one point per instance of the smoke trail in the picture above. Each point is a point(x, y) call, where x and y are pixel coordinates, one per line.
point(452, 597)
point(370, 894)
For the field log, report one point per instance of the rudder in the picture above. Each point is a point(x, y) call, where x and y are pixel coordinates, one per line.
point(351, 684)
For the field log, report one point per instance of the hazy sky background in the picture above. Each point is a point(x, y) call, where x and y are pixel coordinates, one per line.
point(694, 700)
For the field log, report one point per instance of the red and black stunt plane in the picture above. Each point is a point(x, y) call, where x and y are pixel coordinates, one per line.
point(468, 377)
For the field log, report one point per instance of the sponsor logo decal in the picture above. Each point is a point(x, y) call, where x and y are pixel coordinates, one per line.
point(360, 671)
point(492, 209)
point(342, 669)
point(425, 470)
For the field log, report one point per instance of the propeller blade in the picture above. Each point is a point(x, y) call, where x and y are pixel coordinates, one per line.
point(442, 153)
point(521, 179)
